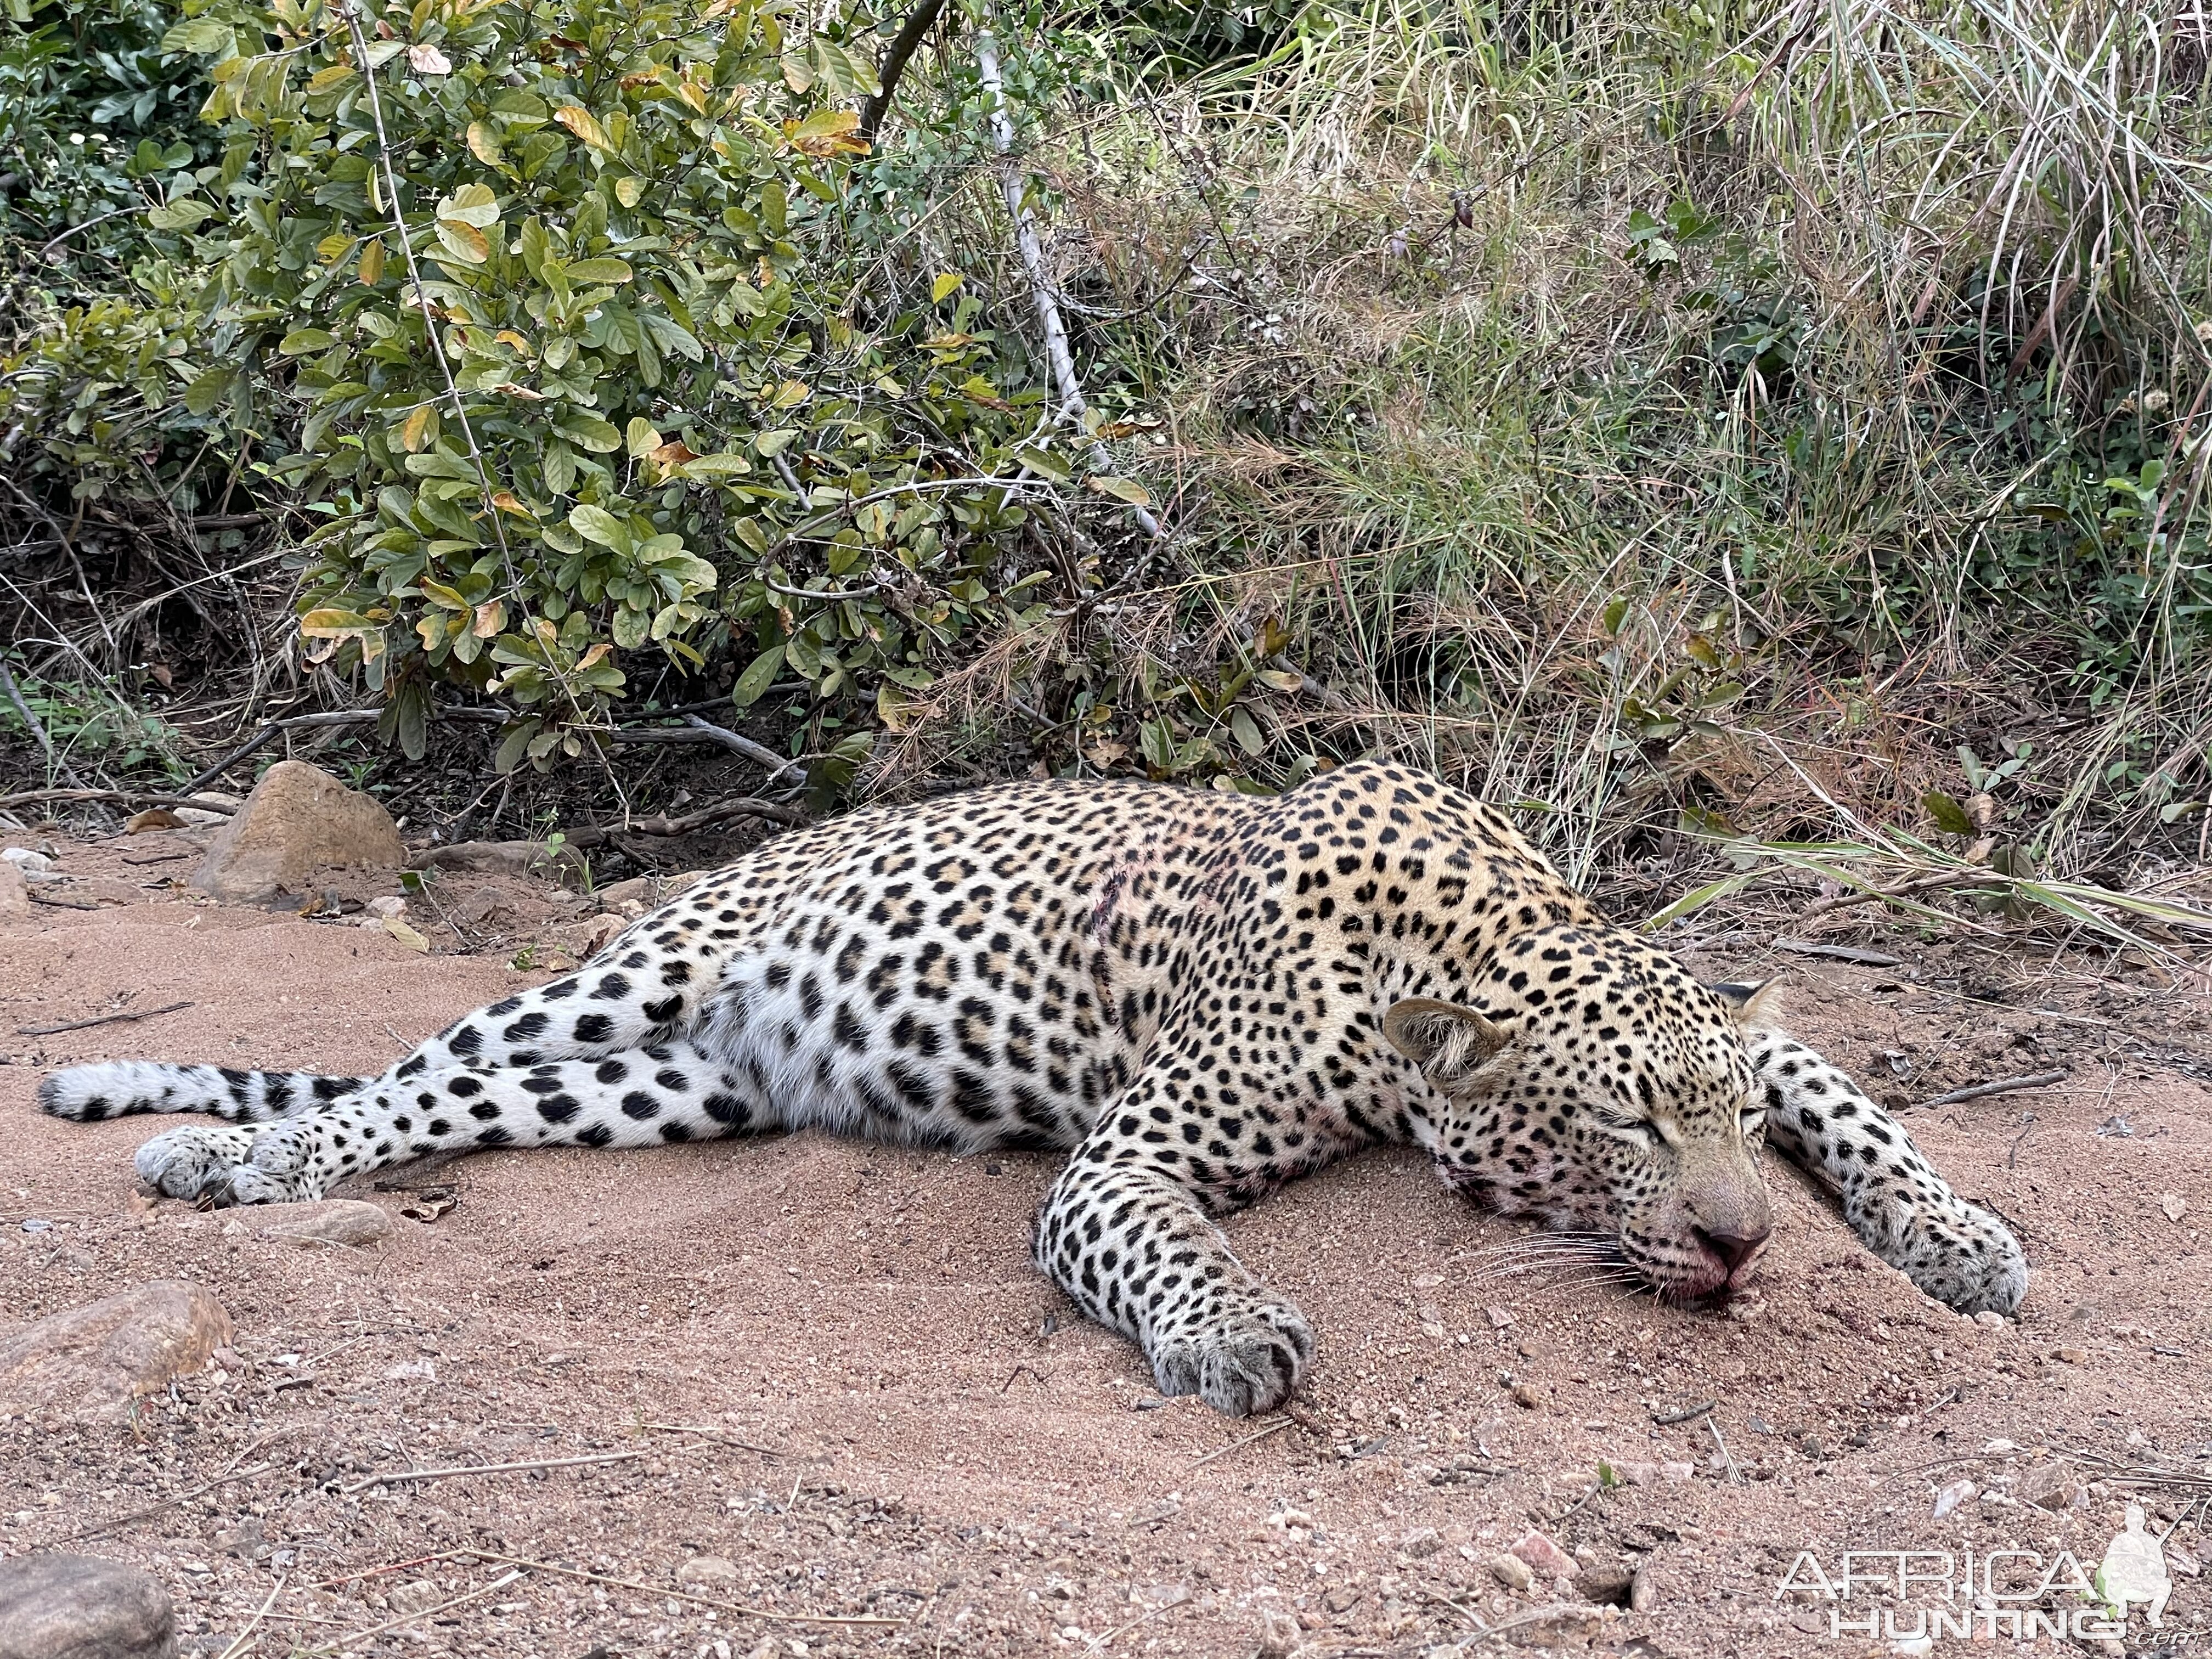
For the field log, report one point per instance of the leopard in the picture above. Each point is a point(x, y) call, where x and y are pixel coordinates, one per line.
point(1197, 995)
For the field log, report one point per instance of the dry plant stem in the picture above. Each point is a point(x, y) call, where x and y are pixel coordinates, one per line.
point(38, 730)
point(721, 1437)
point(1239, 1445)
point(1963, 878)
point(1032, 253)
point(115, 1018)
point(866, 1621)
point(119, 797)
point(408, 1476)
point(231, 1473)
point(1982, 1090)
point(245, 1636)
point(476, 1594)
point(759, 754)
point(917, 24)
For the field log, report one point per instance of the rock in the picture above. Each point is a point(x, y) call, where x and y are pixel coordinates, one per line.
point(1958, 1492)
point(707, 1569)
point(1279, 1630)
point(1511, 1571)
point(516, 858)
point(1643, 1591)
point(30, 866)
point(1543, 1556)
point(298, 819)
point(1499, 1318)
point(2052, 1485)
point(1421, 1544)
point(1605, 1587)
point(1990, 1319)
point(1530, 1397)
point(389, 905)
point(2070, 1356)
point(90, 1363)
point(15, 897)
point(80, 1606)
point(351, 1221)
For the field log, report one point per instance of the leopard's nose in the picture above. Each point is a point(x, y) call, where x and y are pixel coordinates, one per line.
point(1733, 1248)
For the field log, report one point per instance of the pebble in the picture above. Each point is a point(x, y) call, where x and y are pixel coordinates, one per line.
point(707, 1569)
point(349, 1221)
point(82, 1606)
point(1530, 1397)
point(1511, 1571)
point(1543, 1556)
point(1421, 1544)
point(1949, 1498)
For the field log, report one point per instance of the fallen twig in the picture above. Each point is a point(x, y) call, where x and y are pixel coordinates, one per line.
point(245, 1636)
point(119, 797)
point(397, 1476)
point(759, 754)
point(476, 1594)
point(119, 1016)
point(1104, 1637)
point(685, 1595)
point(234, 1472)
point(1687, 1414)
point(1727, 1456)
point(1961, 878)
point(1839, 953)
point(38, 729)
point(1276, 1427)
point(51, 900)
point(2003, 1086)
point(723, 1436)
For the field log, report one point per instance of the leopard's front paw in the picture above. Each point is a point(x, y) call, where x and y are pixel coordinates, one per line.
point(1245, 1362)
point(228, 1165)
point(1966, 1259)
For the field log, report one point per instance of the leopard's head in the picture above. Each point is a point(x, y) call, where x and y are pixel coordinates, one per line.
point(1589, 1079)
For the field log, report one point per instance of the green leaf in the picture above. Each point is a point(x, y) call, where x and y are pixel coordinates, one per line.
point(772, 444)
point(945, 282)
point(599, 270)
point(301, 341)
point(1949, 816)
point(597, 525)
point(597, 435)
point(1043, 463)
point(203, 35)
point(471, 205)
point(630, 628)
point(186, 214)
point(760, 674)
point(209, 388)
point(642, 439)
point(1121, 489)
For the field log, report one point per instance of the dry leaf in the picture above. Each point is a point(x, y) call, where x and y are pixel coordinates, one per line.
point(427, 1209)
point(155, 818)
point(428, 60)
point(406, 935)
point(2172, 1205)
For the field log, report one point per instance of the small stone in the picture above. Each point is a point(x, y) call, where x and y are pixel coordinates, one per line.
point(2171, 1204)
point(1511, 1571)
point(1499, 1317)
point(1279, 1630)
point(90, 1363)
point(2053, 1486)
point(707, 1569)
point(1677, 1472)
point(1605, 1587)
point(81, 1607)
point(1543, 1556)
point(2071, 1356)
point(32, 867)
point(616, 893)
point(348, 1221)
point(1530, 1397)
point(1643, 1591)
point(1951, 1497)
point(15, 897)
point(298, 820)
point(1421, 1544)
point(419, 1596)
point(1990, 1319)
point(390, 904)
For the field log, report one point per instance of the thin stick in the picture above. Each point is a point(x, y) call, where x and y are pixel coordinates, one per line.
point(117, 1018)
point(1101, 1640)
point(234, 1472)
point(722, 1436)
point(476, 1595)
point(63, 904)
point(1239, 1445)
point(1839, 953)
point(682, 1596)
point(1728, 1457)
point(2003, 1086)
point(119, 797)
point(759, 754)
point(38, 731)
point(245, 1636)
point(397, 1476)
point(1687, 1414)
point(390, 1566)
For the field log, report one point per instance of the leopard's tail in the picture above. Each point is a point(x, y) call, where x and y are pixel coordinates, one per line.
point(88, 1093)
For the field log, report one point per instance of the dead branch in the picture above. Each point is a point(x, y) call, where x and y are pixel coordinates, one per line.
point(1981, 1091)
point(118, 797)
point(115, 1018)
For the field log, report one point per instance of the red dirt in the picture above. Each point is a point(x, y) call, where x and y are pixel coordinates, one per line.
point(950, 1447)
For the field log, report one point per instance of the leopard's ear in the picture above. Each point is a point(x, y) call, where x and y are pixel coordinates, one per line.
point(1445, 1040)
point(1758, 1007)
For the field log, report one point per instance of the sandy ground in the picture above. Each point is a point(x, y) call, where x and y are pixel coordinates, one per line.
point(832, 1367)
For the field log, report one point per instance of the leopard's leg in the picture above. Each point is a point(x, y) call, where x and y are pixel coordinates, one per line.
point(645, 1096)
point(1895, 1201)
point(651, 983)
point(1126, 1235)
point(88, 1094)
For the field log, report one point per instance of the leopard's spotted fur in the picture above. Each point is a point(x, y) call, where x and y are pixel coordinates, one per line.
point(1200, 995)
